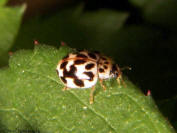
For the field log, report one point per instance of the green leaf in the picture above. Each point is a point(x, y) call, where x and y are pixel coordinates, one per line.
point(10, 19)
point(100, 26)
point(145, 48)
point(159, 12)
point(3, 2)
point(168, 108)
point(31, 98)
point(140, 3)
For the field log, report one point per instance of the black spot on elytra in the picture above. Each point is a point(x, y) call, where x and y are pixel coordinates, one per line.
point(63, 65)
point(71, 72)
point(78, 62)
point(92, 55)
point(82, 56)
point(90, 74)
point(105, 67)
point(106, 62)
point(100, 63)
point(63, 79)
point(103, 58)
point(78, 82)
point(101, 70)
point(89, 66)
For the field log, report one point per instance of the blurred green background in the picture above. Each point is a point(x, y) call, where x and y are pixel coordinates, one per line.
point(137, 33)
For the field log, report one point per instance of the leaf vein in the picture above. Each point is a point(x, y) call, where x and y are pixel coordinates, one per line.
point(18, 112)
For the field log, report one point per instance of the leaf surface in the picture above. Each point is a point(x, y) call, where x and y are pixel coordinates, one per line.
point(31, 98)
point(10, 20)
point(3, 2)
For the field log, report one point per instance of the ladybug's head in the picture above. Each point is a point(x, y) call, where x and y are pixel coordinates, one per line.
point(115, 71)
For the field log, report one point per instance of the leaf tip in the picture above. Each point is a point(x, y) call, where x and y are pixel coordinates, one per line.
point(35, 42)
point(23, 7)
point(10, 53)
point(63, 43)
point(148, 93)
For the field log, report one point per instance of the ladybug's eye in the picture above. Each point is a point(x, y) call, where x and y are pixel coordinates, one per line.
point(116, 74)
point(114, 71)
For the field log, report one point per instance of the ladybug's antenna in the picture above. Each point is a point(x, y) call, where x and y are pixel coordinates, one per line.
point(119, 76)
point(125, 68)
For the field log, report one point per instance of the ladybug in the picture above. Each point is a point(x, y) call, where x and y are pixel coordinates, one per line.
point(83, 69)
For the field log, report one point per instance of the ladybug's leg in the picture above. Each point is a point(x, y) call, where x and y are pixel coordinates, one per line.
point(92, 95)
point(120, 80)
point(102, 85)
point(119, 77)
point(65, 88)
